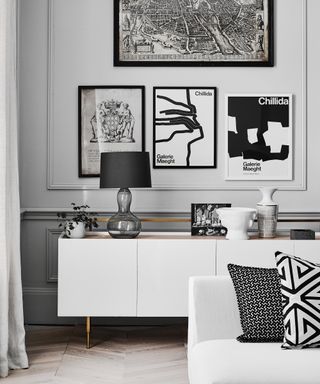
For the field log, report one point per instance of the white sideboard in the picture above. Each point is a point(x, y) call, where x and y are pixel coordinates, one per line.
point(148, 276)
point(97, 277)
point(255, 253)
point(164, 267)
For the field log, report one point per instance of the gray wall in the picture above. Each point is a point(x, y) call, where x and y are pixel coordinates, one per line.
point(64, 43)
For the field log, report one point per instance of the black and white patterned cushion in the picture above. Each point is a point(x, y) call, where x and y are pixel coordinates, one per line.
point(258, 292)
point(300, 287)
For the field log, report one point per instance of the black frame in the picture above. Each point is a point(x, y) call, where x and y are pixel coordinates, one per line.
point(195, 230)
point(214, 133)
point(82, 87)
point(117, 62)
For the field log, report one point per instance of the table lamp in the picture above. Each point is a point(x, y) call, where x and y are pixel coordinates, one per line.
point(124, 170)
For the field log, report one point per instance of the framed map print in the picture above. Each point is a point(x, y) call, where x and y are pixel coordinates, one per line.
point(184, 127)
point(259, 137)
point(111, 118)
point(193, 32)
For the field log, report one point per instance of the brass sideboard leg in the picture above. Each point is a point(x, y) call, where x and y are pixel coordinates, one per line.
point(88, 328)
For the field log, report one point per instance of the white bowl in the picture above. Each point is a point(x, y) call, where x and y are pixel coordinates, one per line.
point(237, 220)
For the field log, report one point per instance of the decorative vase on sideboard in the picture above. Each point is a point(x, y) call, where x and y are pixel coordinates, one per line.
point(267, 214)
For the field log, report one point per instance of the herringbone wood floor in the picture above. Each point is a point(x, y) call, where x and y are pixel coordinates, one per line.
point(135, 355)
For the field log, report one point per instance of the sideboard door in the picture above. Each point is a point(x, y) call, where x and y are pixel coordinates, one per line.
point(253, 253)
point(308, 249)
point(97, 277)
point(164, 268)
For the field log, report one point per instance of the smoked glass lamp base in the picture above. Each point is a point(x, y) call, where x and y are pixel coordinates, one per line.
point(124, 224)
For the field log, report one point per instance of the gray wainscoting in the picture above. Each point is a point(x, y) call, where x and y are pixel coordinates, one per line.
point(39, 256)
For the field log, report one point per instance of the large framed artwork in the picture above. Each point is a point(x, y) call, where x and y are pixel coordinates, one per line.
point(111, 118)
point(184, 127)
point(259, 137)
point(193, 32)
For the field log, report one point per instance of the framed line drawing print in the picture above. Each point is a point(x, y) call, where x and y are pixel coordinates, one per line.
point(184, 127)
point(259, 137)
point(193, 32)
point(111, 118)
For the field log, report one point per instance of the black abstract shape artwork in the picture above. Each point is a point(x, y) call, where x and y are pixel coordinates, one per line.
point(250, 114)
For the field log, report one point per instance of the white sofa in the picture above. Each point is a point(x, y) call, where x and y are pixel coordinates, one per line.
point(216, 357)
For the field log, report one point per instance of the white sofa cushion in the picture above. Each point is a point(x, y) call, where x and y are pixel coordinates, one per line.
point(232, 362)
point(213, 310)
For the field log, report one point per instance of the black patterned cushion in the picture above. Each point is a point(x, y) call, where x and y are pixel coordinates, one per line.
point(300, 287)
point(258, 292)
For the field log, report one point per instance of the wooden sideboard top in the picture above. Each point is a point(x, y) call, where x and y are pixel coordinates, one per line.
point(176, 236)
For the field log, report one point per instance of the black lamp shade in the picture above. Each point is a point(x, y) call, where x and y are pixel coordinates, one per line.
point(125, 170)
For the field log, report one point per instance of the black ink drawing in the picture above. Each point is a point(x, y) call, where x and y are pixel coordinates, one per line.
point(184, 127)
point(205, 220)
point(113, 122)
point(186, 32)
point(259, 137)
point(187, 118)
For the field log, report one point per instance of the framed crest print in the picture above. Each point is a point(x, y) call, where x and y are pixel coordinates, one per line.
point(111, 118)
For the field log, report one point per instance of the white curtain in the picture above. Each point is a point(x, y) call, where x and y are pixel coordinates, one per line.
point(12, 334)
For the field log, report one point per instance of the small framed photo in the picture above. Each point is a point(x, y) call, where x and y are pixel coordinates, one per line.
point(259, 137)
point(205, 220)
point(111, 118)
point(184, 127)
point(193, 33)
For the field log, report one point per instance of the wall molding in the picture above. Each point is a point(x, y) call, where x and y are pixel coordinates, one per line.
point(51, 254)
point(50, 98)
point(45, 214)
point(52, 184)
point(40, 291)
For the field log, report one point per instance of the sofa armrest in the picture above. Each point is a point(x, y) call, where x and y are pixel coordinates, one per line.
point(213, 310)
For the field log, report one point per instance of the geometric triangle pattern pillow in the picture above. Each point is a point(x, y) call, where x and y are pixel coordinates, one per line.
point(300, 289)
